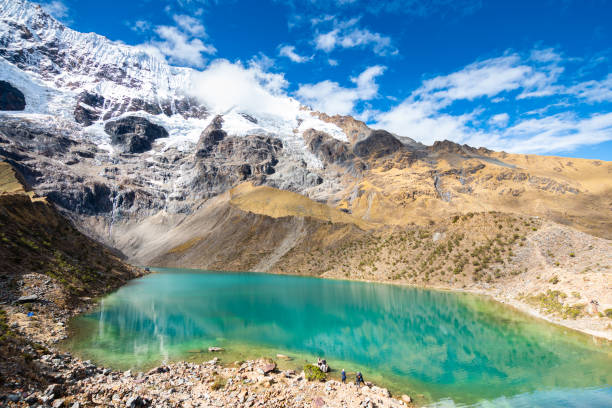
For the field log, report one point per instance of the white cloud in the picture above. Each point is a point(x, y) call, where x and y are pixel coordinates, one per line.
point(224, 86)
point(328, 96)
point(179, 48)
point(348, 35)
point(56, 8)
point(425, 115)
point(190, 25)
point(332, 62)
point(140, 26)
point(289, 52)
point(499, 120)
point(593, 91)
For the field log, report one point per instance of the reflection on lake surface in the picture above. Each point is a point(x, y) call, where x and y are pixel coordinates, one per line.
point(440, 344)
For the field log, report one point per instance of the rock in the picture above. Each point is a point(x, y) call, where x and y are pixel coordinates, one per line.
point(215, 349)
point(11, 98)
point(406, 399)
point(52, 392)
point(58, 403)
point(134, 134)
point(76, 405)
point(137, 402)
point(27, 299)
point(127, 373)
point(319, 403)
point(379, 143)
point(268, 368)
point(14, 397)
point(283, 357)
point(88, 108)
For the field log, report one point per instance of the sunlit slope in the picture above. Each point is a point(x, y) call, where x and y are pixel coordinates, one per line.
point(574, 192)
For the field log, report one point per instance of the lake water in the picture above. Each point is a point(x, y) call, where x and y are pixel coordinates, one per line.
point(451, 348)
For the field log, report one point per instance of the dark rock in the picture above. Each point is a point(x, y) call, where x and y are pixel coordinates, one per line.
point(14, 397)
point(212, 135)
point(11, 98)
point(326, 148)
point(134, 133)
point(379, 143)
point(88, 108)
point(137, 402)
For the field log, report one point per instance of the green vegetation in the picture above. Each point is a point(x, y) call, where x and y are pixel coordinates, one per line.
point(552, 302)
point(608, 313)
point(554, 280)
point(219, 383)
point(314, 373)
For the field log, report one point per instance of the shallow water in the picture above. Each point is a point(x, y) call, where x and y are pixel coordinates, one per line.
point(451, 348)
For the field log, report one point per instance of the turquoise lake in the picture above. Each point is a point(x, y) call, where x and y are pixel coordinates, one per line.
point(449, 348)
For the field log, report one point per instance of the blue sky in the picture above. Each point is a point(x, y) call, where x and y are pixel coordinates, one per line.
point(521, 76)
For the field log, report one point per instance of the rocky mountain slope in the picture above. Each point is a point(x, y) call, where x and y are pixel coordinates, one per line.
point(121, 144)
point(48, 268)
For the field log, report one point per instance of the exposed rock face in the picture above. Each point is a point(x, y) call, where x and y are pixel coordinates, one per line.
point(328, 149)
point(88, 108)
point(212, 135)
point(134, 134)
point(379, 143)
point(11, 98)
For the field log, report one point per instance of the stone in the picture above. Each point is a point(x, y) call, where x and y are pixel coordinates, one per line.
point(319, 403)
point(27, 299)
point(268, 368)
point(11, 98)
point(215, 349)
point(283, 357)
point(58, 403)
point(406, 399)
point(53, 391)
point(137, 402)
point(134, 134)
point(14, 397)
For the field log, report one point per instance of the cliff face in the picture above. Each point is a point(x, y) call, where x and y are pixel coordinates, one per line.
point(35, 237)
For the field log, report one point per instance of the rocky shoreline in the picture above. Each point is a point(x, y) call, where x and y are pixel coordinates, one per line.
point(37, 327)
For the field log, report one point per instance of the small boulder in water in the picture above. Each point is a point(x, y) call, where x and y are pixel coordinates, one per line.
point(215, 349)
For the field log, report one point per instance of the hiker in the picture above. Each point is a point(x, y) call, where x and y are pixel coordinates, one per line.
point(322, 364)
point(359, 378)
point(343, 376)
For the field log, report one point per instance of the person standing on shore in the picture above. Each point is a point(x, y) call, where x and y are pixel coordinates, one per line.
point(343, 376)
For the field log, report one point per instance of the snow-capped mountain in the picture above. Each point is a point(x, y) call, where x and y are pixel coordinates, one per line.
point(64, 73)
point(110, 129)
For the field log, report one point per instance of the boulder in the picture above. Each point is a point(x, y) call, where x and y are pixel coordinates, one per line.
point(134, 134)
point(406, 399)
point(137, 402)
point(11, 98)
point(215, 349)
point(268, 368)
point(27, 299)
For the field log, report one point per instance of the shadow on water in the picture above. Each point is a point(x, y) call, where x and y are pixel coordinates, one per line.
point(440, 344)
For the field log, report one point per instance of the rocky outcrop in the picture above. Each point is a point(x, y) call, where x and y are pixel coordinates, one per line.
point(209, 138)
point(326, 148)
point(134, 134)
point(88, 108)
point(379, 143)
point(223, 162)
point(11, 98)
